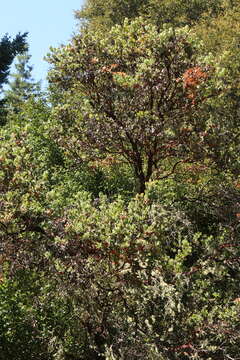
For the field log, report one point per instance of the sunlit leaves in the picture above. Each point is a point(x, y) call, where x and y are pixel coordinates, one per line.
point(108, 81)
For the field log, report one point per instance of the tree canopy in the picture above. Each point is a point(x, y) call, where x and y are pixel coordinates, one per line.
point(120, 189)
point(103, 15)
point(21, 85)
point(8, 50)
point(142, 95)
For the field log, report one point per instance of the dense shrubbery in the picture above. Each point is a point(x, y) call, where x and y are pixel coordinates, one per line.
point(90, 267)
point(132, 279)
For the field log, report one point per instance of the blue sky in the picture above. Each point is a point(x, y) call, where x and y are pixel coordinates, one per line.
point(49, 23)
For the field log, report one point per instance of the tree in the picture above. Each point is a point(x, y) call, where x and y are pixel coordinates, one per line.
point(136, 93)
point(22, 86)
point(221, 36)
point(98, 14)
point(103, 15)
point(8, 50)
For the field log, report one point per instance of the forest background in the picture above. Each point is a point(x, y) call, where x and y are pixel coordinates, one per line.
point(120, 187)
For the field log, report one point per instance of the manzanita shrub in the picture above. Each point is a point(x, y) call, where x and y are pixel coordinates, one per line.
point(119, 280)
point(137, 93)
point(151, 276)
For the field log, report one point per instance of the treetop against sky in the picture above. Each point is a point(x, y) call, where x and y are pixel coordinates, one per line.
point(49, 23)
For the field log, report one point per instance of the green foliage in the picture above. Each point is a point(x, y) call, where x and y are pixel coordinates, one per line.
point(88, 269)
point(153, 277)
point(8, 50)
point(22, 86)
point(141, 90)
point(137, 279)
point(220, 33)
point(3, 112)
point(20, 337)
point(103, 15)
point(100, 14)
point(180, 12)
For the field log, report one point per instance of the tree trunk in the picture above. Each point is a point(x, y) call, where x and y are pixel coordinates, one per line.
point(141, 184)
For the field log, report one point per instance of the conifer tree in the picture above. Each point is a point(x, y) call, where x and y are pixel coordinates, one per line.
point(8, 50)
point(21, 85)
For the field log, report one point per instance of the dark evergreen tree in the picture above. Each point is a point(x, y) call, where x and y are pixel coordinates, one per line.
point(8, 50)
